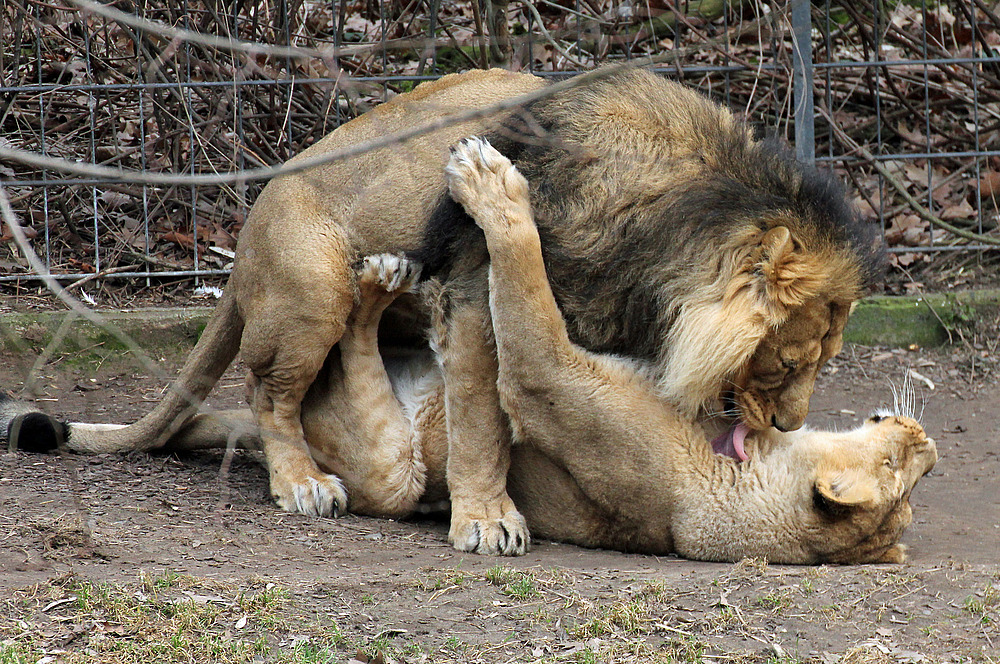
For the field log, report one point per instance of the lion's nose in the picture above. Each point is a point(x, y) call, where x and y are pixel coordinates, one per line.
point(785, 426)
point(932, 454)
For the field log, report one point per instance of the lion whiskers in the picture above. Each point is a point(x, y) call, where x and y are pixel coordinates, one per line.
point(904, 400)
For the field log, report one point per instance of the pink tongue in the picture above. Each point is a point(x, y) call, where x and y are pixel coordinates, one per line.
point(730, 443)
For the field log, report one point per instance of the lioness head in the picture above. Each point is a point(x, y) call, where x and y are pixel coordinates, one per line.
point(809, 496)
point(861, 486)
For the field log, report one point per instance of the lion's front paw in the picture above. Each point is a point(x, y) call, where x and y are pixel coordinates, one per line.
point(486, 184)
point(316, 494)
point(504, 535)
point(389, 272)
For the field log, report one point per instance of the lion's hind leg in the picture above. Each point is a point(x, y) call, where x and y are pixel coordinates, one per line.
point(358, 428)
point(295, 296)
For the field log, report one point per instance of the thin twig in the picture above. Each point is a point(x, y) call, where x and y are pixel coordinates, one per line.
point(98, 275)
point(548, 37)
point(900, 188)
point(299, 165)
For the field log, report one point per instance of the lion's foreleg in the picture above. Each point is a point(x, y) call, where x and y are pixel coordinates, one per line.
point(483, 517)
point(590, 414)
point(536, 357)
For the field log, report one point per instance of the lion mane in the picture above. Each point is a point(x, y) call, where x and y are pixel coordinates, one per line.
point(670, 232)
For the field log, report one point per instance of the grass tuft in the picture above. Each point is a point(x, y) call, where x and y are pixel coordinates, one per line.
point(513, 583)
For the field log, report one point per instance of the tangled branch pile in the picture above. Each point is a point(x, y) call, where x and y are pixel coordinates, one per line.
point(84, 87)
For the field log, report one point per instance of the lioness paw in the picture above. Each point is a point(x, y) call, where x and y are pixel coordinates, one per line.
point(323, 495)
point(390, 272)
point(506, 536)
point(486, 184)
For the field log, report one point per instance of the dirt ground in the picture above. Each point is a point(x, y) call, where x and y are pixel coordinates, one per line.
point(99, 554)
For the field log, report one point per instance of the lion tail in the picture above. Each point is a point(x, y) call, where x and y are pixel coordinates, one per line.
point(171, 421)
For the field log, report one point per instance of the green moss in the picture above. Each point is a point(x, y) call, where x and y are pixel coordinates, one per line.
point(79, 343)
point(926, 320)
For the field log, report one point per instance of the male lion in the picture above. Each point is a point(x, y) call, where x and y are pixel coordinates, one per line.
point(602, 459)
point(670, 234)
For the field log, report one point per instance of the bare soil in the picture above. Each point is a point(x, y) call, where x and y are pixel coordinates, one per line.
point(396, 590)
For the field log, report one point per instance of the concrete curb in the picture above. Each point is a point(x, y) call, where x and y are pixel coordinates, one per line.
point(925, 320)
point(156, 331)
point(877, 321)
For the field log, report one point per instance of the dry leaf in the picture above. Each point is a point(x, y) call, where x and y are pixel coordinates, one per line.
point(989, 184)
point(962, 210)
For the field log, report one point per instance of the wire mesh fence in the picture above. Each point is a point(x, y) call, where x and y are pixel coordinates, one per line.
point(901, 98)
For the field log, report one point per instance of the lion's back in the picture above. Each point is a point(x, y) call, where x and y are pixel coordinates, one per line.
point(380, 199)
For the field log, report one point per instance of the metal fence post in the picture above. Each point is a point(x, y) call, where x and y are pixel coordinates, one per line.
point(802, 82)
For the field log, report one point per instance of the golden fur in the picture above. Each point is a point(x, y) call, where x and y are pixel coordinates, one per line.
point(602, 460)
point(735, 313)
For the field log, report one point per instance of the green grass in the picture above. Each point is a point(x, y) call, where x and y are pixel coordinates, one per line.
point(625, 617)
point(774, 601)
point(513, 583)
point(443, 578)
point(983, 605)
point(166, 618)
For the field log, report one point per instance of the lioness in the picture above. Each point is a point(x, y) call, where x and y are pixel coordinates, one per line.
point(670, 234)
point(602, 459)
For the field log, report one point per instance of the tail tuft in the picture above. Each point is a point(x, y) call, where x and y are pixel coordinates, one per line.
point(37, 433)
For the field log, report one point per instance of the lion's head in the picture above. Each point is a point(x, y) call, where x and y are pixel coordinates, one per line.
point(861, 483)
point(776, 384)
point(752, 346)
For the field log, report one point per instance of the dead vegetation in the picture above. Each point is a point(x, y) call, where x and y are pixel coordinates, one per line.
point(706, 617)
point(84, 87)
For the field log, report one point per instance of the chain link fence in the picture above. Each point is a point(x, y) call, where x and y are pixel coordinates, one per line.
point(901, 98)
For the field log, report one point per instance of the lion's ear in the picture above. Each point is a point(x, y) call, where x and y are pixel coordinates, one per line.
point(840, 488)
point(791, 274)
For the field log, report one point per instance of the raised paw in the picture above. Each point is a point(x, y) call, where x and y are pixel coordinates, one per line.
point(316, 494)
point(391, 273)
point(504, 536)
point(486, 184)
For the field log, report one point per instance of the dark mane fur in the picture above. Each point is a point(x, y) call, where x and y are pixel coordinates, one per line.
point(620, 261)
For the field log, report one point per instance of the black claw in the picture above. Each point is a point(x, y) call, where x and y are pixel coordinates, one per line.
point(37, 433)
point(505, 546)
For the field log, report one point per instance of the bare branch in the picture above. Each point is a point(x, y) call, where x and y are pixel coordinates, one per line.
point(139, 177)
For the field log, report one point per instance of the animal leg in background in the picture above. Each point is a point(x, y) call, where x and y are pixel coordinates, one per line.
point(291, 325)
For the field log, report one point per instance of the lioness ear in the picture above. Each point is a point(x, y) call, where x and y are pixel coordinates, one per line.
point(845, 487)
point(791, 274)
